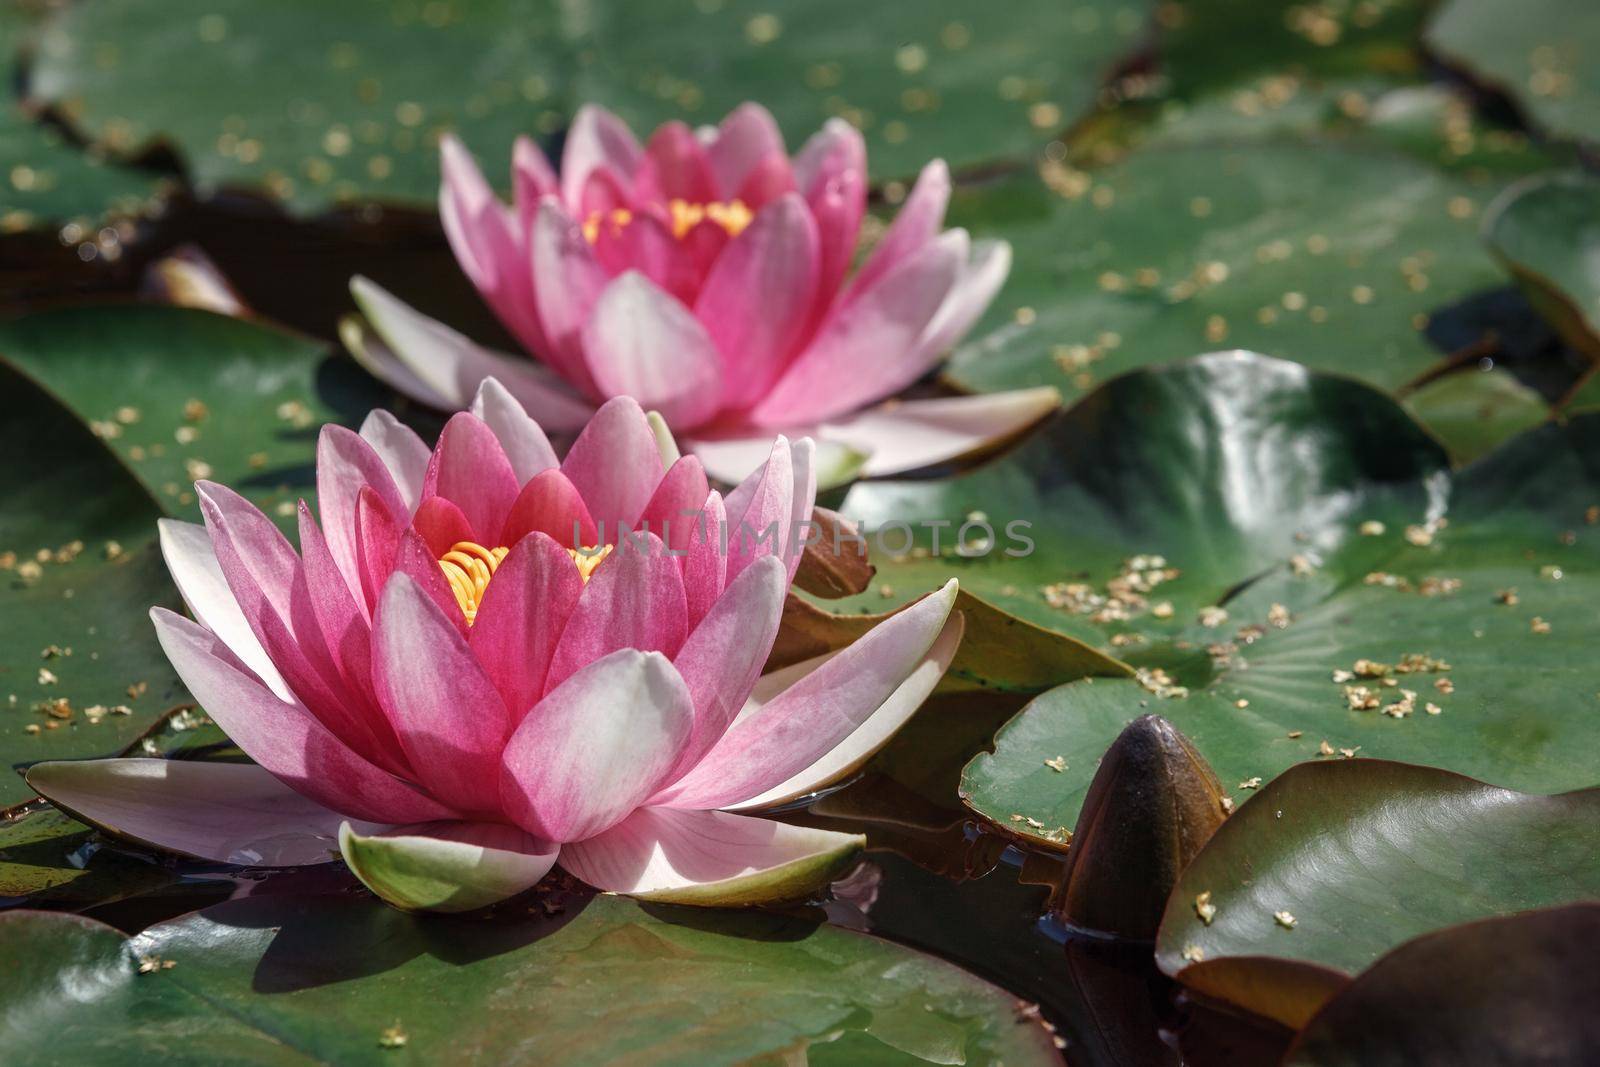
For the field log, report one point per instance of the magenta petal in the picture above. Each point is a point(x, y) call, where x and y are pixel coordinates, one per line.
point(523, 440)
point(342, 622)
point(284, 738)
point(674, 510)
point(748, 135)
point(723, 657)
point(635, 599)
point(377, 539)
point(868, 348)
point(759, 297)
point(596, 138)
point(760, 512)
point(642, 342)
point(414, 559)
point(615, 464)
point(403, 453)
point(833, 150)
point(346, 463)
point(570, 280)
point(596, 746)
point(219, 812)
point(441, 525)
point(448, 715)
point(532, 178)
point(551, 504)
point(809, 719)
point(767, 181)
point(917, 223)
point(674, 167)
point(838, 208)
point(646, 245)
point(705, 564)
point(470, 469)
point(522, 616)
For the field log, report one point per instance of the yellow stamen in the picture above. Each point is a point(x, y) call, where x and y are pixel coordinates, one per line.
point(732, 215)
point(468, 566)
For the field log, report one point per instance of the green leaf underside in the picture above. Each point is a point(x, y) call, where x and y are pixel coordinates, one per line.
point(1366, 855)
point(195, 395)
point(602, 981)
point(1547, 231)
point(948, 79)
point(1333, 255)
point(69, 498)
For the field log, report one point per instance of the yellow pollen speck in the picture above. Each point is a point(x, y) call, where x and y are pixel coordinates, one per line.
point(468, 566)
point(732, 215)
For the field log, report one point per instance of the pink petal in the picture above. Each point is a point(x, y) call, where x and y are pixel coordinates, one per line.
point(346, 464)
point(596, 138)
point(377, 540)
point(285, 738)
point(596, 746)
point(615, 464)
point(838, 208)
point(763, 510)
point(441, 525)
point(186, 546)
point(868, 349)
point(642, 342)
point(758, 298)
point(917, 223)
point(705, 567)
point(470, 469)
point(675, 508)
point(379, 360)
point(522, 616)
point(746, 136)
point(646, 245)
point(835, 149)
point(570, 280)
point(710, 858)
point(219, 812)
point(414, 559)
point(450, 366)
point(446, 866)
point(342, 622)
point(808, 720)
point(532, 178)
point(523, 440)
point(904, 435)
point(403, 453)
point(634, 599)
point(731, 458)
point(723, 657)
point(980, 280)
point(448, 715)
point(552, 505)
point(767, 181)
point(674, 167)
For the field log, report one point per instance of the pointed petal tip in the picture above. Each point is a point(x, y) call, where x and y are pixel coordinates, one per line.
point(446, 867)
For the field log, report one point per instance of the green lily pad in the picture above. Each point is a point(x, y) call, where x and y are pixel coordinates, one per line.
point(72, 624)
point(1334, 255)
point(1538, 53)
point(1547, 232)
point(599, 981)
point(1472, 411)
point(1364, 855)
point(1535, 970)
point(182, 394)
point(52, 859)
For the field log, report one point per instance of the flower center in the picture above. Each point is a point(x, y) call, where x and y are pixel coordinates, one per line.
point(468, 566)
point(732, 215)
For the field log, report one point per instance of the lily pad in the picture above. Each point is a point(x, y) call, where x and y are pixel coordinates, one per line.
point(1539, 53)
point(181, 394)
point(604, 980)
point(80, 669)
point(52, 859)
point(1337, 863)
point(1535, 970)
point(1547, 232)
point(1334, 255)
point(1472, 411)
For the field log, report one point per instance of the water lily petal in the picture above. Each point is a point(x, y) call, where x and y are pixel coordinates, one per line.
point(705, 564)
point(374, 354)
point(532, 179)
point(523, 439)
point(186, 546)
point(758, 297)
point(377, 539)
point(596, 745)
point(452, 366)
point(905, 435)
point(218, 812)
point(402, 452)
point(635, 599)
point(745, 137)
point(710, 858)
point(285, 738)
point(674, 167)
point(345, 465)
point(838, 207)
point(522, 616)
point(450, 718)
point(447, 867)
point(673, 510)
point(833, 150)
point(551, 504)
point(641, 341)
point(595, 138)
point(762, 509)
point(439, 523)
point(470, 469)
point(615, 464)
point(768, 180)
point(981, 278)
point(868, 349)
point(916, 224)
point(800, 726)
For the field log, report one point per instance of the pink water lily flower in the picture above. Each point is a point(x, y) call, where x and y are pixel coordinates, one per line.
point(468, 673)
point(707, 275)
